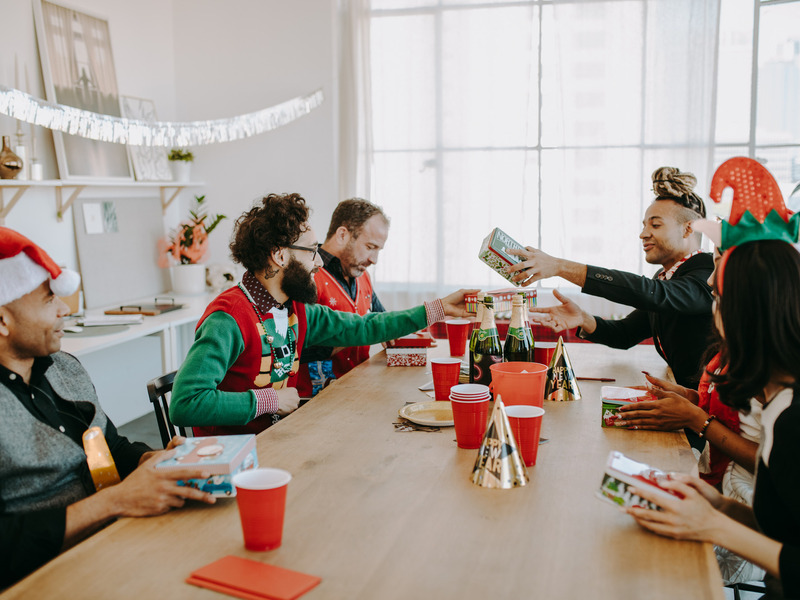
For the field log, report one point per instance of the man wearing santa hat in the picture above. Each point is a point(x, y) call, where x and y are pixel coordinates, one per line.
point(48, 497)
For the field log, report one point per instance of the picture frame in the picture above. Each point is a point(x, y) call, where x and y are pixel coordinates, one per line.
point(149, 162)
point(78, 70)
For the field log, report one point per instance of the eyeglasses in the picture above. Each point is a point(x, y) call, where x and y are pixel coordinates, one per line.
point(314, 249)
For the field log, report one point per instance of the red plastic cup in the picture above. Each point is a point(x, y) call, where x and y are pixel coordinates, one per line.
point(469, 419)
point(526, 424)
point(519, 382)
point(445, 375)
point(458, 331)
point(261, 496)
point(543, 352)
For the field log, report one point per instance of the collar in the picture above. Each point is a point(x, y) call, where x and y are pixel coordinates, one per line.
point(332, 264)
point(667, 275)
point(40, 366)
point(262, 298)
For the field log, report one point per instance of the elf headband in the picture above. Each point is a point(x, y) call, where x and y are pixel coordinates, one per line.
point(757, 212)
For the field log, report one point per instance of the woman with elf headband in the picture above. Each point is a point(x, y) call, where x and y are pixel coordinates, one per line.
point(674, 307)
point(757, 317)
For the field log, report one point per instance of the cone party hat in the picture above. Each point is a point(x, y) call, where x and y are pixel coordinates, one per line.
point(499, 464)
point(561, 384)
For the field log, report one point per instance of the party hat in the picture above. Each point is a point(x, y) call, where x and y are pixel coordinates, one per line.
point(561, 383)
point(499, 464)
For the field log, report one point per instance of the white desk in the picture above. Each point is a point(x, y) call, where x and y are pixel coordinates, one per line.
point(121, 363)
point(165, 326)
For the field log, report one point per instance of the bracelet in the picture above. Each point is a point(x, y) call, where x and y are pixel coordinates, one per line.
point(702, 432)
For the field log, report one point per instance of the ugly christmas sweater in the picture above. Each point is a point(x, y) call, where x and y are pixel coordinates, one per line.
point(237, 350)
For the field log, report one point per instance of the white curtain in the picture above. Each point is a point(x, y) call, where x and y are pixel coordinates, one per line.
point(355, 100)
point(543, 119)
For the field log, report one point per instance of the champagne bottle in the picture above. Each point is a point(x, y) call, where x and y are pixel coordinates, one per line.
point(487, 350)
point(518, 346)
point(473, 336)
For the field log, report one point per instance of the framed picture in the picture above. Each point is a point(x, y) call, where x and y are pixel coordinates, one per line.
point(78, 70)
point(149, 162)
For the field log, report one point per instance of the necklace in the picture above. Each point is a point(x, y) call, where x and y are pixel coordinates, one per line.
point(280, 352)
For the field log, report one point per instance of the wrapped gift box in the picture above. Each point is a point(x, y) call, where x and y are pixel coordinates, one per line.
point(621, 473)
point(222, 456)
point(494, 252)
point(502, 299)
point(613, 397)
point(410, 350)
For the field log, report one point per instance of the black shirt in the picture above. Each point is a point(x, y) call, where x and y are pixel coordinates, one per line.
point(675, 312)
point(28, 540)
point(334, 266)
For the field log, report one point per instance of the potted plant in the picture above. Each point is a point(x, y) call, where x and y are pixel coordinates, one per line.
point(181, 163)
point(186, 247)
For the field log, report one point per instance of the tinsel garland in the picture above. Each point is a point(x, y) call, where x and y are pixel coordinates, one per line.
point(75, 121)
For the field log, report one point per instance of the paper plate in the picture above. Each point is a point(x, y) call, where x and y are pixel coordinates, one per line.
point(433, 414)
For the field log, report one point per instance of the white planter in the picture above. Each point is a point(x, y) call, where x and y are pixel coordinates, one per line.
point(181, 170)
point(189, 280)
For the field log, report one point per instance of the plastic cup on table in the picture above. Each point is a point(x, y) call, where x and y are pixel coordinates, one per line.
point(458, 331)
point(445, 375)
point(519, 382)
point(261, 496)
point(526, 424)
point(469, 418)
point(543, 352)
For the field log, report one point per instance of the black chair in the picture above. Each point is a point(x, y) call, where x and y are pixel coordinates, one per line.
point(159, 390)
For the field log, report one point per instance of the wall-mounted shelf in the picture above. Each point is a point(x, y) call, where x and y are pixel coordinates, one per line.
point(168, 191)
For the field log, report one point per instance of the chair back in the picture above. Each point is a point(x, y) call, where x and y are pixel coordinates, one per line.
point(159, 390)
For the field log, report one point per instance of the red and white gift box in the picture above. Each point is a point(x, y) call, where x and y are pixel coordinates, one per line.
point(409, 351)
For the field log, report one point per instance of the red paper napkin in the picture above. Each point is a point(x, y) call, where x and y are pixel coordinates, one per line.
point(252, 580)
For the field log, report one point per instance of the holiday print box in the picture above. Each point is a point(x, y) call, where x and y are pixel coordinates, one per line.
point(621, 473)
point(410, 350)
point(501, 299)
point(222, 456)
point(494, 252)
point(613, 397)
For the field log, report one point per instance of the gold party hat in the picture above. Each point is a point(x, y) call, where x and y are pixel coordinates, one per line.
point(561, 383)
point(499, 464)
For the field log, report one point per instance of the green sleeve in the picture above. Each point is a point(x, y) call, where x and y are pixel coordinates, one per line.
point(327, 327)
point(196, 401)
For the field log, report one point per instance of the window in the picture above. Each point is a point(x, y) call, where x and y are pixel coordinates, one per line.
point(547, 118)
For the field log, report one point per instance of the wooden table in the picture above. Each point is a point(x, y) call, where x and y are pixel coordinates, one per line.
point(383, 514)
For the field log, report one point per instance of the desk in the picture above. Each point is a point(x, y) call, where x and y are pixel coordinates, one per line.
point(164, 325)
point(380, 514)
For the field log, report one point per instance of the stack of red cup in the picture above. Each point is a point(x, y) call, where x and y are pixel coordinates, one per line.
point(470, 403)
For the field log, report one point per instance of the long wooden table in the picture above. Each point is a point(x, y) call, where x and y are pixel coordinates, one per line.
point(384, 514)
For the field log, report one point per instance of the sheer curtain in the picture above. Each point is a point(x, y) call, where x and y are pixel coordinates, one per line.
point(542, 118)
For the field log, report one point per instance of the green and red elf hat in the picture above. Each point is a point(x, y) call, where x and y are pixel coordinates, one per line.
point(757, 212)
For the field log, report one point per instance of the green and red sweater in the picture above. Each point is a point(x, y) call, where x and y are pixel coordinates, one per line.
point(214, 391)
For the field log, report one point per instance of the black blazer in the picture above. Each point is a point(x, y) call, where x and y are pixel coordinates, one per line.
point(676, 313)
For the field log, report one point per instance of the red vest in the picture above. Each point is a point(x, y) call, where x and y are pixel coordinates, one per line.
point(246, 373)
point(330, 293)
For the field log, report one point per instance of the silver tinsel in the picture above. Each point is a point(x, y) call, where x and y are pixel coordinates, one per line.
point(105, 128)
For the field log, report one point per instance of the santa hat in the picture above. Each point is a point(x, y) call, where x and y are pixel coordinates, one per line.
point(24, 266)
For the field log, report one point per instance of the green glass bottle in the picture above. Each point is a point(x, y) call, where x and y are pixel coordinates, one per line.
point(473, 336)
point(487, 349)
point(518, 345)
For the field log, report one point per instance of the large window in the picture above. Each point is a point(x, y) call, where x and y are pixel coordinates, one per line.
point(545, 118)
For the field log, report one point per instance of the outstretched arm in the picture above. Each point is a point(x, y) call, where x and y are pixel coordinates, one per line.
point(566, 315)
point(536, 265)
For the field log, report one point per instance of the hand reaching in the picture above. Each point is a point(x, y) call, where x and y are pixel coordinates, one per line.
point(566, 315)
point(454, 305)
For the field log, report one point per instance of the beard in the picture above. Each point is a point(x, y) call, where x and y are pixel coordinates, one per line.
point(298, 283)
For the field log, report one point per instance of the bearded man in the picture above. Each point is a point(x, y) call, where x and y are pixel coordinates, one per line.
point(241, 371)
point(357, 233)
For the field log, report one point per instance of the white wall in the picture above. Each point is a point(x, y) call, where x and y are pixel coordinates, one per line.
point(198, 59)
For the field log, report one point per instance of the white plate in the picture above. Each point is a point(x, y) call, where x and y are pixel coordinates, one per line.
point(433, 414)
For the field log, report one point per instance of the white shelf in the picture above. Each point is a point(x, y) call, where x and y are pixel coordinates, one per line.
point(168, 190)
